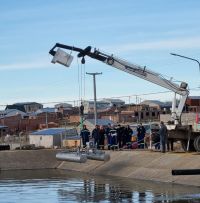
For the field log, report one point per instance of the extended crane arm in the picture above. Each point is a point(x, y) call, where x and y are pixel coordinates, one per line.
point(139, 71)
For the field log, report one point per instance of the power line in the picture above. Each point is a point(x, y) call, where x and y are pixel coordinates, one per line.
point(115, 97)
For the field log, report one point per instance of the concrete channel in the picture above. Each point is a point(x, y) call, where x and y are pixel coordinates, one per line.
point(143, 165)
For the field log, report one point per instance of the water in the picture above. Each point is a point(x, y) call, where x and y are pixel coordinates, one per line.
point(64, 186)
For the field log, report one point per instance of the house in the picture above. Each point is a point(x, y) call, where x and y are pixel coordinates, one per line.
point(153, 103)
point(163, 106)
point(47, 110)
point(3, 130)
point(102, 105)
point(46, 115)
point(26, 107)
point(52, 137)
point(63, 106)
point(193, 101)
point(193, 104)
point(114, 102)
point(89, 106)
point(64, 110)
point(12, 118)
point(131, 113)
point(17, 120)
point(12, 112)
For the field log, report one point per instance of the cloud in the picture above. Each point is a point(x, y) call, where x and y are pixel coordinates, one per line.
point(183, 43)
point(26, 65)
point(32, 61)
point(43, 62)
point(179, 43)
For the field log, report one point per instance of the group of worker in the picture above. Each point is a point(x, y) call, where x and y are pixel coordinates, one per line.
point(121, 136)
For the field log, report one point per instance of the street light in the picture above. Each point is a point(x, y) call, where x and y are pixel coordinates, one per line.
point(188, 144)
point(186, 58)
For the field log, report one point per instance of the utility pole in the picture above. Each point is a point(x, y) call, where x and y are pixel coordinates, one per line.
point(95, 97)
point(46, 119)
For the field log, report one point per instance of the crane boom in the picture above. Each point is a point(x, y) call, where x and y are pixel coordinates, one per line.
point(136, 70)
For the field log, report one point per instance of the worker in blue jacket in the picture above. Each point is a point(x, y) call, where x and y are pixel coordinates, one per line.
point(141, 135)
point(96, 136)
point(85, 133)
point(163, 136)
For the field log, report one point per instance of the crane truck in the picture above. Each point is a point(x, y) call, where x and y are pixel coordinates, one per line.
point(189, 137)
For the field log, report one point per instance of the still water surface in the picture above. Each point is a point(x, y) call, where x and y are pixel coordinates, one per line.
point(54, 186)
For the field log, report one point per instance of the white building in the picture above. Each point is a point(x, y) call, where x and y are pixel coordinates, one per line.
point(63, 106)
point(51, 137)
point(102, 105)
point(114, 102)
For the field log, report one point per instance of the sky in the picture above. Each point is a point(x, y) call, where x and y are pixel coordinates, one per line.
point(141, 32)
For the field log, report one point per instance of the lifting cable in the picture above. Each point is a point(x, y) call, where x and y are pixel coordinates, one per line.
point(81, 81)
point(79, 84)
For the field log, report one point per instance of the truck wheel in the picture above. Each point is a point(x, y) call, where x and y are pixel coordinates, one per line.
point(197, 143)
point(184, 145)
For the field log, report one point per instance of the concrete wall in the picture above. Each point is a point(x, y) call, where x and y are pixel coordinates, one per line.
point(143, 165)
point(28, 159)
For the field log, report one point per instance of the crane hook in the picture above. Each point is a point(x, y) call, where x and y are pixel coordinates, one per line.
point(83, 60)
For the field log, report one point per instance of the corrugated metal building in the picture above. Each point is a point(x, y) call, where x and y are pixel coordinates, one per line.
point(51, 137)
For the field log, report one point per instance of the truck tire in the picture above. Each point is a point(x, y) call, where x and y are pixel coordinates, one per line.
point(184, 145)
point(197, 143)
